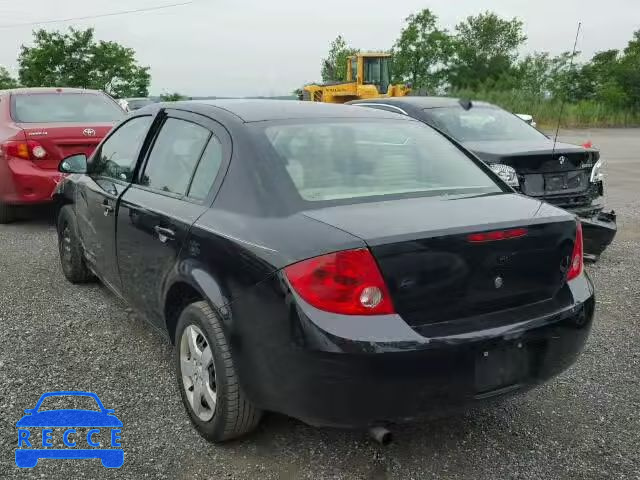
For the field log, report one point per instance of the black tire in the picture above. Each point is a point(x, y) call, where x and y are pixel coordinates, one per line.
point(72, 259)
point(6, 213)
point(233, 415)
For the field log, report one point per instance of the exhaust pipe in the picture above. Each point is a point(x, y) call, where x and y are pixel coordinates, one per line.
point(381, 435)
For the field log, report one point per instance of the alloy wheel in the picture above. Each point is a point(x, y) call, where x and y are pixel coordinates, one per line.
point(198, 372)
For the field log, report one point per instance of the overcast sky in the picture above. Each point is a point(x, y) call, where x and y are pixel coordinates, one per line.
point(270, 47)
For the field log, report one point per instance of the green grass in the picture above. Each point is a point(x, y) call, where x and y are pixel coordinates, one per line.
point(546, 112)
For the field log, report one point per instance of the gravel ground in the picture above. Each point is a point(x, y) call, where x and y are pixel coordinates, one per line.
point(585, 424)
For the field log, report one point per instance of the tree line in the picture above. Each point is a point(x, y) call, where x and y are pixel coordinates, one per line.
point(481, 58)
point(76, 59)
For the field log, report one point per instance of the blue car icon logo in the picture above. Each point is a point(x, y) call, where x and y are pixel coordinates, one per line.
point(35, 433)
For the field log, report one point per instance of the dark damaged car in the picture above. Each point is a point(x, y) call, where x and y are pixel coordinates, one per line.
point(343, 266)
point(568, 176)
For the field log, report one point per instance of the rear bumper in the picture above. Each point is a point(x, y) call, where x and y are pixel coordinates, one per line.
point(599, 227)
point(388, 372)
point(23, 183)
point(599, 231)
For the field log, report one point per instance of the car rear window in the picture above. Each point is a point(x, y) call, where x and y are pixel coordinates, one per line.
point(354, 159)
point(65, 107)
point(482, 123)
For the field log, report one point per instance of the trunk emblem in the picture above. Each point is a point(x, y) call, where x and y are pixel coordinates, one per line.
point(89, 132)
point(498, 282)
point(562, 159)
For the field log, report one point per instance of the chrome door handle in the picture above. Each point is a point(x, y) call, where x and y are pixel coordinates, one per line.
point(164, 234)
point(107, 209)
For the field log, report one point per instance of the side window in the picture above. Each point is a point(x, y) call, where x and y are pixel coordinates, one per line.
point(174, 156)
point(117, 156)
point(207, 170)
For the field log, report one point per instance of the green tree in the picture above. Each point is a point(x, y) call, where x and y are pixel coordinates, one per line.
point(334, 67)
point(534, 74)
point(172, 97)
point(115, 71)
point(485, 48)
point(598, 79)
point(566, 81)
point(6, 80)
point(76, 59)
point(421, 53)
point(628, 74)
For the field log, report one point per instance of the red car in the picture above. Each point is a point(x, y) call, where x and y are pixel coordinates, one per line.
point(38, 128)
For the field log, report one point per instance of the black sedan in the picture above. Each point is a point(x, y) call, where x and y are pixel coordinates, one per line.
point(344, 266)
point(564, 175)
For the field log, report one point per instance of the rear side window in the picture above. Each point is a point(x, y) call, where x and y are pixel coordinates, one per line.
point(353, 159)
point(174, 156)
point(207, 170)
point(65, 107)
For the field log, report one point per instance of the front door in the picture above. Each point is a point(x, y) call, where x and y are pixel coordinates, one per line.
point(157, 211)
point(110, 172)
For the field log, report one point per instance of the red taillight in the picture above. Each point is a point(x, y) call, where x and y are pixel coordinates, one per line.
point(347, 282)
point(496, 235)
point(26, 150)
point(577, 262)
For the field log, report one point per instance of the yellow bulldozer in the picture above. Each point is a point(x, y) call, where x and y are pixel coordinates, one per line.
point(367, 77)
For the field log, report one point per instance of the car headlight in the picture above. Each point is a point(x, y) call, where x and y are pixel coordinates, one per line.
point(597, 175)
point(506, 173)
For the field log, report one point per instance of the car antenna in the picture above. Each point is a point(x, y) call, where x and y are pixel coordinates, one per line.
point(573, 54)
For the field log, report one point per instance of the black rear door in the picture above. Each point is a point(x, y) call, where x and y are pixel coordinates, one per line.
point(110, 171)
point(155, 214)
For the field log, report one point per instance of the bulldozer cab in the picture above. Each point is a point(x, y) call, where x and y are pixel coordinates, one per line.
point(370, 69)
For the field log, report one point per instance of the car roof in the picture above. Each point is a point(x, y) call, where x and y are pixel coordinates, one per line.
point(258, 110)
point(423, 102)
point(25, 90)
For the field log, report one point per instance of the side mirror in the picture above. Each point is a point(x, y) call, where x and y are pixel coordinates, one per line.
point(74, 164)
point(29, 410)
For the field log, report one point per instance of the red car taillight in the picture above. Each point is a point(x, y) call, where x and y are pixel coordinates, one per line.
point(496, 235)
point(28, 150)
point(577, 261)
point(347, 282)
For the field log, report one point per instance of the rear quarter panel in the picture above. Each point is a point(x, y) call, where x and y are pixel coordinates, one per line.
point(234, 262)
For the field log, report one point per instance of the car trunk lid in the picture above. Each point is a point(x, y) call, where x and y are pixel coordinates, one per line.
point(542, 169)
point(436, 274)
point(60, 141)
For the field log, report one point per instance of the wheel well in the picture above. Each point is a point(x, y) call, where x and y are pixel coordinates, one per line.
point(59, 202)
point(179, 296)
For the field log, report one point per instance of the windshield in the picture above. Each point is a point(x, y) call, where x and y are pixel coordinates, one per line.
point(482, 123)
point(65, 107)
point(347, 160)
